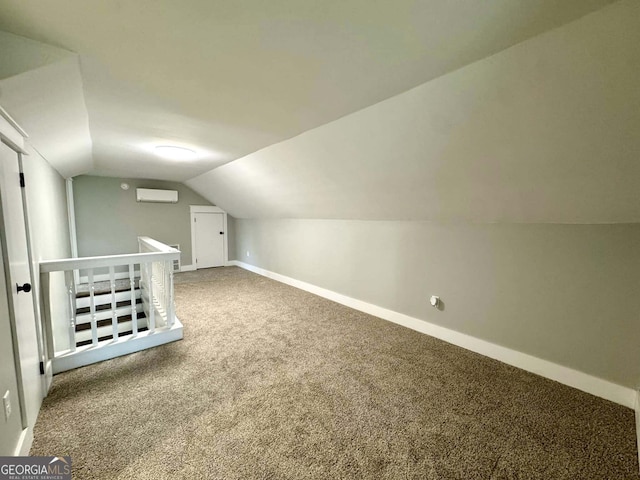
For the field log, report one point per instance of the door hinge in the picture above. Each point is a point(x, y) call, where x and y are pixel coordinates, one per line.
point(41, 368)
point(22, 179)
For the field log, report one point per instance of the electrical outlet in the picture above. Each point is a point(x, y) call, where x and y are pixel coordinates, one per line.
point(6, 401)
point(248, 254)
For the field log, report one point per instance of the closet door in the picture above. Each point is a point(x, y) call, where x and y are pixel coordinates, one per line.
point(11, 426)
point(209, 239)
point(18, 286)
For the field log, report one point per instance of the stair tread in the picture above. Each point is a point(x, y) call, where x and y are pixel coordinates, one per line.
point(109, 337)
point(106, 306)
point(107, 314)
point(100, 288)
point(105, 323)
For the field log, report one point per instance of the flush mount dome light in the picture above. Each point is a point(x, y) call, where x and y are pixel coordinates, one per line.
point(175, 153)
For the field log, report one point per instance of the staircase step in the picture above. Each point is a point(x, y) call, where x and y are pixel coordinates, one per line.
point(109, 337)
point(107, 322)
point(107, 306)
point(105, 298)
point(107, 314)
point(99, 288)
point(106, 332)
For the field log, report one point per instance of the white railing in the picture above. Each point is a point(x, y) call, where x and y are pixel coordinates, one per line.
point(104, 307)
point(156, 279)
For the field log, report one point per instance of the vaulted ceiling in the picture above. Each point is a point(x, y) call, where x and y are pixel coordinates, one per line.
point(231, 78)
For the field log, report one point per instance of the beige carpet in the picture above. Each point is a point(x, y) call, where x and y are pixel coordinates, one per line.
point(271, 382)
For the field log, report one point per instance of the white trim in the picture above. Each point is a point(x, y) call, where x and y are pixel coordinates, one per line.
point(4, 114)
point(132, 343)
point(24, 443)
point(106, 261)
point(573, 378)
point(11, 133)
point(637, 395)
point(225, 240)
point(71, 214)
point(205, 209)
point(48, 375)
point(192, 219)
point(187, 268)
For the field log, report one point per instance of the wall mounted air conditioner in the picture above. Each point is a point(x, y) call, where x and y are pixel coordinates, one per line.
point(159, 196)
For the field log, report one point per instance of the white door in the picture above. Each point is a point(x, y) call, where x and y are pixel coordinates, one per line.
point(20, 302)
point(10, 429)
point(209, 239)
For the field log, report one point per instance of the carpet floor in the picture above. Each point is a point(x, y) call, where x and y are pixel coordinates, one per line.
point(271, 382)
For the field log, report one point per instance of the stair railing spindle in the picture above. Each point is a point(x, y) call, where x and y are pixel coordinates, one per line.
point(152, 306)
point(92, 309)
point(165, 291)
point(134, 309)
point(114, 306)
point(71, 295)
point(170, 312)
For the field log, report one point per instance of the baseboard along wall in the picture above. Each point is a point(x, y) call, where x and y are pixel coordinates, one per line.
point(553, 371)
point(24, 443)
point(637, 395)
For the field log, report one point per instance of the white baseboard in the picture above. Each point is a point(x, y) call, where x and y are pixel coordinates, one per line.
point(187, 268)
point(637, 395)
point(573, 378)
point(48, 375)
point(24, 443)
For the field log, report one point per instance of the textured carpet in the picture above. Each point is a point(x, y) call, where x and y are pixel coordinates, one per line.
point(271, 382)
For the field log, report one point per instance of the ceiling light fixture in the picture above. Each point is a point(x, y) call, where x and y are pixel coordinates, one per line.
point(175, 153)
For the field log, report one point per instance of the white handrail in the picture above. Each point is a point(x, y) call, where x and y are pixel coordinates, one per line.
point(83, 263)
point(151, 245)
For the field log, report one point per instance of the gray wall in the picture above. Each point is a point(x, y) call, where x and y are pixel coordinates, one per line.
point(109, 220)
point(563, 293)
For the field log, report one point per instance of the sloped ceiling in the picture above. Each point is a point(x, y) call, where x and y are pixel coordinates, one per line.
point(19, 55)
point(41, 86)
point(229, 78)
point(546, 131)
point(495, 111)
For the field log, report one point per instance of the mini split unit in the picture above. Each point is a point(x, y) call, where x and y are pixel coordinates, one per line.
point(157, 196)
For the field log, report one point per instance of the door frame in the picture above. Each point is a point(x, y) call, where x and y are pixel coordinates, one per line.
point(12, 135)
point(193, 209)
